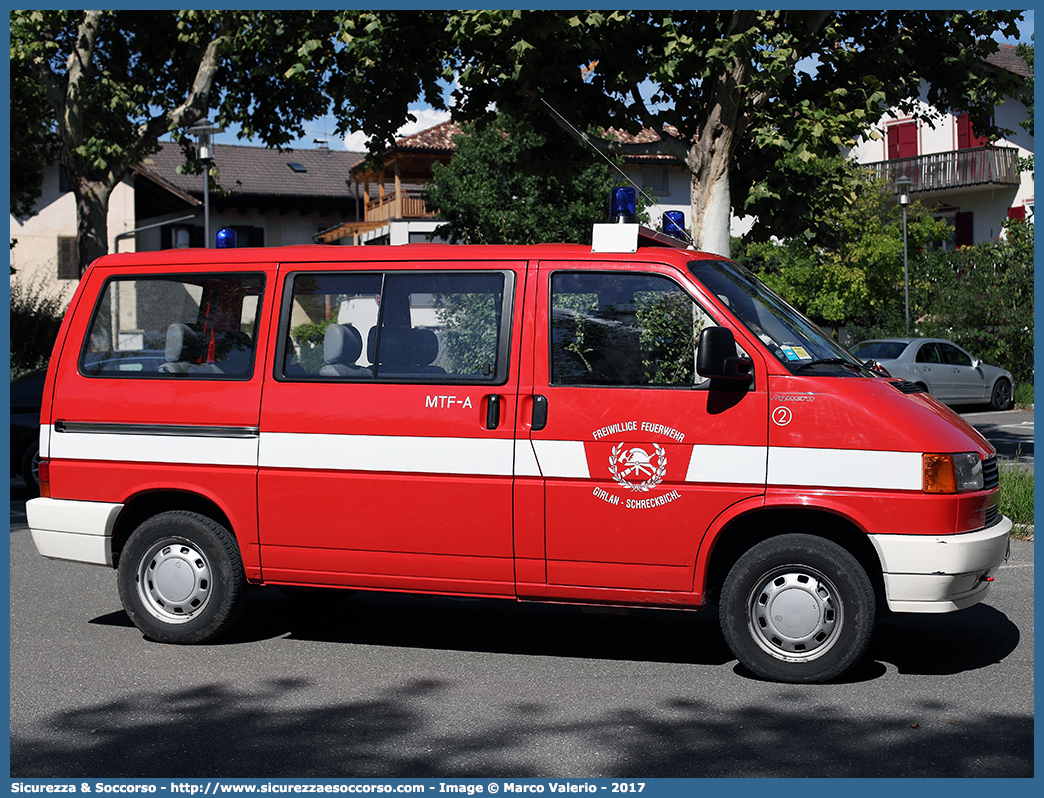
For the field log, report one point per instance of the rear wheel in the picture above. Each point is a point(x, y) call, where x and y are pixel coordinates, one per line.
point(1000, 399)
point(797, 608)
point(181, 578)
point(31, 469)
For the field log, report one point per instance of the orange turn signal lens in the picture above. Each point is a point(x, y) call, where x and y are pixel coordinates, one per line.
point(940, 476)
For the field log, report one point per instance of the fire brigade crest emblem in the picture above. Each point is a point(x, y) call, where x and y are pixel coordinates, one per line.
point(636, 469)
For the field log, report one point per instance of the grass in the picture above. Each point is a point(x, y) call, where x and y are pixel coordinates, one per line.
point(1024, 396)
point(1016, 496)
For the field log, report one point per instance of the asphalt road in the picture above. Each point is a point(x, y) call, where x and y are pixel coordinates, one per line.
point(1010, 431)
point(394, 686)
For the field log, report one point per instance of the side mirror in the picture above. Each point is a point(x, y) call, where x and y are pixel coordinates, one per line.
point(716, 356)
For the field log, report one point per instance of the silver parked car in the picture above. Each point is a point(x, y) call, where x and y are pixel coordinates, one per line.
point(949, 373)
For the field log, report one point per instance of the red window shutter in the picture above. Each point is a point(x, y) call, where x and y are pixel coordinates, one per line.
point(902, 141)
point(1017, 213)
point(966, 138)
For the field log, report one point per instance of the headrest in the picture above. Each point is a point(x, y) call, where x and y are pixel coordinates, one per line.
point(426, 346)
point(183, 344)
point(342, 344)
point(396, 343)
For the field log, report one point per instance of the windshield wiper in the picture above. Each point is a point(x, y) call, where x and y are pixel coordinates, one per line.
point(830, 361)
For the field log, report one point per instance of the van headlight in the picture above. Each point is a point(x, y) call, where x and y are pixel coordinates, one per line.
point(952, 473)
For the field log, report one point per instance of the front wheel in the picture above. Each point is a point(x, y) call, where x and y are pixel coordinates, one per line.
point(797, 608)
point(1000, 399)
point(181, 578)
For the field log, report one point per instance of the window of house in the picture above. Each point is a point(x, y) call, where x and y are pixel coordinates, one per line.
point(963, 229)
point(902, 140)
point(966, 138)
point(68, 266)
point(180, 238)
point(654, 178)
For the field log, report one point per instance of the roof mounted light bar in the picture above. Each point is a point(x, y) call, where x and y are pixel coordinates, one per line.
point(622, 233)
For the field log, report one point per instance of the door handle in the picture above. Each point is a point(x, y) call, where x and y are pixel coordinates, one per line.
point(492, 411)
point(539, 412)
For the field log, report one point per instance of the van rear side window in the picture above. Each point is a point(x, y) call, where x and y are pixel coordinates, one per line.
point(175, 326)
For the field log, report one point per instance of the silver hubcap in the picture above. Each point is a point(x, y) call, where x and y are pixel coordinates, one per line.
point(174, 581)
point(795, 615)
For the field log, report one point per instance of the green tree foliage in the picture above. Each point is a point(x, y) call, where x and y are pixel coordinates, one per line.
point(100, 88)
point(35, 318)
point(982, 299)
point(848, 267)
point(504, 186)
point(727, 88)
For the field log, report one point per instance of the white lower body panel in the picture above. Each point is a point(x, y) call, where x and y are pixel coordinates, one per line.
point(73, 530)
point(941, 573)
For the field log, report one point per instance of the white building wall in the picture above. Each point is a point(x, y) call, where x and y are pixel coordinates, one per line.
point(676, 197)
point(988, 204)
point(35, 257)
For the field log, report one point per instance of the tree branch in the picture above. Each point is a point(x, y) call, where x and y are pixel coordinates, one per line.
point(197, 102)
point(79, 72)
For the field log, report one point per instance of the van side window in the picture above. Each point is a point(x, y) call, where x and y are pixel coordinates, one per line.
point(418, 326)
point(623, 329)
point(330, 314)
point(175, 326)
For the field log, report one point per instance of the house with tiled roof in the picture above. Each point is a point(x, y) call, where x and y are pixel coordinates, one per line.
point(269, 197)
point(971, 182)
point(393, 197)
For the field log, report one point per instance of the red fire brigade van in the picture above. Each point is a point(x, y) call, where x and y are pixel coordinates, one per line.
point(629, 424)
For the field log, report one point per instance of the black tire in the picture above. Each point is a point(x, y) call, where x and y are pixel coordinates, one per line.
point(30, 469)
point(798, 609)
point(181, 578)
point(1000, 398)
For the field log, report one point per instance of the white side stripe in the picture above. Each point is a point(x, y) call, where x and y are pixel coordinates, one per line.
point(743, 465)
point(845, 468)
point(487, 456)
point(565, 459)
point(746, 465)
point(525, 459)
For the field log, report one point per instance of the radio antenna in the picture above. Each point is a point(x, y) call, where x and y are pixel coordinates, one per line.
point(584, 138)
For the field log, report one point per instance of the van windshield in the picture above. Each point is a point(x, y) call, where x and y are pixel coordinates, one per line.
point(792, 338)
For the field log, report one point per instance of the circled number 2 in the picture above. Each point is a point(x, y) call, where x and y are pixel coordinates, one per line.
point(782, 416)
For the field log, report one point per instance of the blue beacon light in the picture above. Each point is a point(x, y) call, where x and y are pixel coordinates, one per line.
point(226, 238)
point(621, 206)
point(674, 224)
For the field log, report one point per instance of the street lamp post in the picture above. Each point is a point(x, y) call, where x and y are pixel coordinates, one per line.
point(902, 187)
point(203, 131)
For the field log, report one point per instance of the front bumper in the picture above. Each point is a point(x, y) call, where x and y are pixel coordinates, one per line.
point(941, 573)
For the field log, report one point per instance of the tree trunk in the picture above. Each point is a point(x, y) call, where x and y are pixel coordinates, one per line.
point(710, 157)
point(711, 203)
point(92, 221)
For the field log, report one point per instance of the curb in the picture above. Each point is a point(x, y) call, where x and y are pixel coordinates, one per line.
point(1025, 531)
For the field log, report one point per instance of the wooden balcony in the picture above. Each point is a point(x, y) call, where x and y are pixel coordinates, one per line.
point(941, 171)
point(394, 206)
